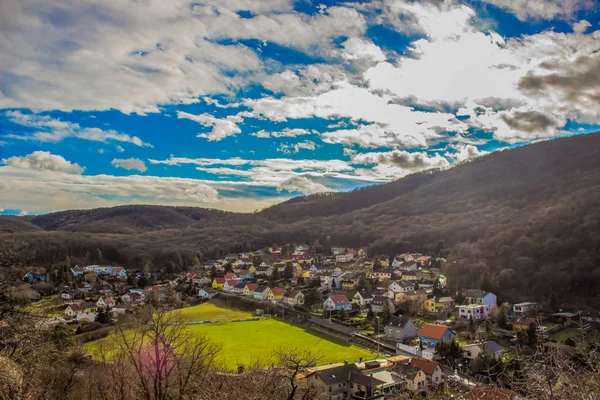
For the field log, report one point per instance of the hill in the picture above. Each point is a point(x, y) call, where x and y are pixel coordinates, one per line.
point(524, 220)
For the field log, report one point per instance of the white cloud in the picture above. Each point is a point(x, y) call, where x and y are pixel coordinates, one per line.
point(287, 132)
point(542, 9)
point(303, 185)
point(221, 128)
point(296, 147)
point(465, 152)
point(119, 149)
point(356, 49)
point(48, 129)
point(43, 161)
point(129, 164)
point(581, 26)
point(133, 57)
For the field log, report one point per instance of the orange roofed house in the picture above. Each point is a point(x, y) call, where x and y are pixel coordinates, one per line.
point(430, 335)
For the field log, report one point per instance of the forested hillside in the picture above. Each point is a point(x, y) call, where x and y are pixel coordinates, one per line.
point(525, 219)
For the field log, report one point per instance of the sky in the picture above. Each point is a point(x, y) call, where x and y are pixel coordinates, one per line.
point(241, 104)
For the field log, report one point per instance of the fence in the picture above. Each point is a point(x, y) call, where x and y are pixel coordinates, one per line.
point(414, 351)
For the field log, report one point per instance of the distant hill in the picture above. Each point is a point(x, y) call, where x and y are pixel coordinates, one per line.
point(523, 221)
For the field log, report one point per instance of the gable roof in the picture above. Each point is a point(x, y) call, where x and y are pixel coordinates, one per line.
point(364, 294)
point(251, 286)
point(474, 293)
point(77, 306)
point(220, 281)
point(427, 366)
point(366, 380)
point(339, 299)
point(261, 289)
point(399, 322)
point(278, 291)
point(433, 331)
point(337, 374)
point(490, 346)
point(379, 300)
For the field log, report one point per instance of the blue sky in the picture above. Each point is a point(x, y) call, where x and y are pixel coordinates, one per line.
point(240, 104)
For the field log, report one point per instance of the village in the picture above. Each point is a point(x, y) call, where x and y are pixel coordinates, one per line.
point(426, 337)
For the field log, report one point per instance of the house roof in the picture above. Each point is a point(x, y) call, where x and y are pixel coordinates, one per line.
point(490, 346)
point(339, 299)
point(379, 300)
point(433, 331)
point(251, 286)
point(261, 289)
point(240, 286)
point(398, 322)
point(220, 281)
point(230, 275)
point(427, 366)
point(209, 290)
point(491, 393)
point(405, 284)
point(292, 294)
point(445, 299)
point(337, 374)
point(278, 291)
point(364, 294)
point(77, 306)
point(406, 371)
point(474, 293)
point(366, 380)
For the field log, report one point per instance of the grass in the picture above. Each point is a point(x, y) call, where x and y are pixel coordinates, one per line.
point(564, 334)
point(253, 342)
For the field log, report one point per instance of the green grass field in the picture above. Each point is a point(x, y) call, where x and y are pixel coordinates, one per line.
point(257, 341)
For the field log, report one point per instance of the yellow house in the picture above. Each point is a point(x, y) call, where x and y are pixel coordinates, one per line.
point(305, 274)
point(249, 289)
point(218, 283)
point(297, 270)
point(430, 305)
point(414, 378)
point(362, 253)
point(238, 263)
point(270, 296)
point(252, 269)
point(276, 294)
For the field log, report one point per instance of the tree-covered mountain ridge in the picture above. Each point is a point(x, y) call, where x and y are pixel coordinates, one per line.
point(526, 218)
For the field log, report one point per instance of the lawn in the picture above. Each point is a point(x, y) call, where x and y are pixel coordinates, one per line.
point(252, 341)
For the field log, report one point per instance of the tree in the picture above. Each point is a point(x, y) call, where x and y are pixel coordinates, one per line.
point(276, 274)
point(342, 315)
point(102, 317)
point(333, 285)
point(213, 272)
point(131, 280)
point(142, 282)
point(532, 334)
point(438, 289)
point(159, 358)
point(554, 304)
point(288, 272)
point(386, 314)
point(449, 351)
point(311, 297)
point(363, 284)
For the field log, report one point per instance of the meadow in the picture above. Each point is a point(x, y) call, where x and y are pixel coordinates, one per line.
point(254, 342)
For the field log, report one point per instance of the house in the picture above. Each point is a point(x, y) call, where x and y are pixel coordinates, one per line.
point(35, 276)
point(201, 281)
point(64, 295)
point(344, 258)
point(262, 293)
point(336, 278)
point(362, 298)
point(338, 250)
point(278, 294)
point(401, 287)
point(249, 289)
point(337, 302)
point(126, 298)
point(525, 309)
point(264, 270)
point(230, 275)
point(414, 378)
point(207, 293)
point(474, 311)
point(489, 348)
point(190, 276)
point(218, 283)
point(431, 368)
point(349, 281)
point(492, 393)
point(400, 329)
point(409, 266)
point(440, 305)
point(104, 302)
point(246, 274)
point(74, 308)
point(423, 260)
point(522, 323)
point(77, 271)
point(293, 298)
point(229, 285)
point(410, 276)
point(239, 288)
point(378, 304)
point(326, 281)
point(476, 296)
point(362, 252)
point(430, 335)
point(345, 382)
point(381, 274)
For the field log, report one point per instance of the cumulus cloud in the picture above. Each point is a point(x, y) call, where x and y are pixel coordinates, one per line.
point(130, 164)
point(48, 129)
point(530, 121)
point(43, 161)
point(221, 128)
point(416, 161)
point(542, 9)
point(303, 185)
